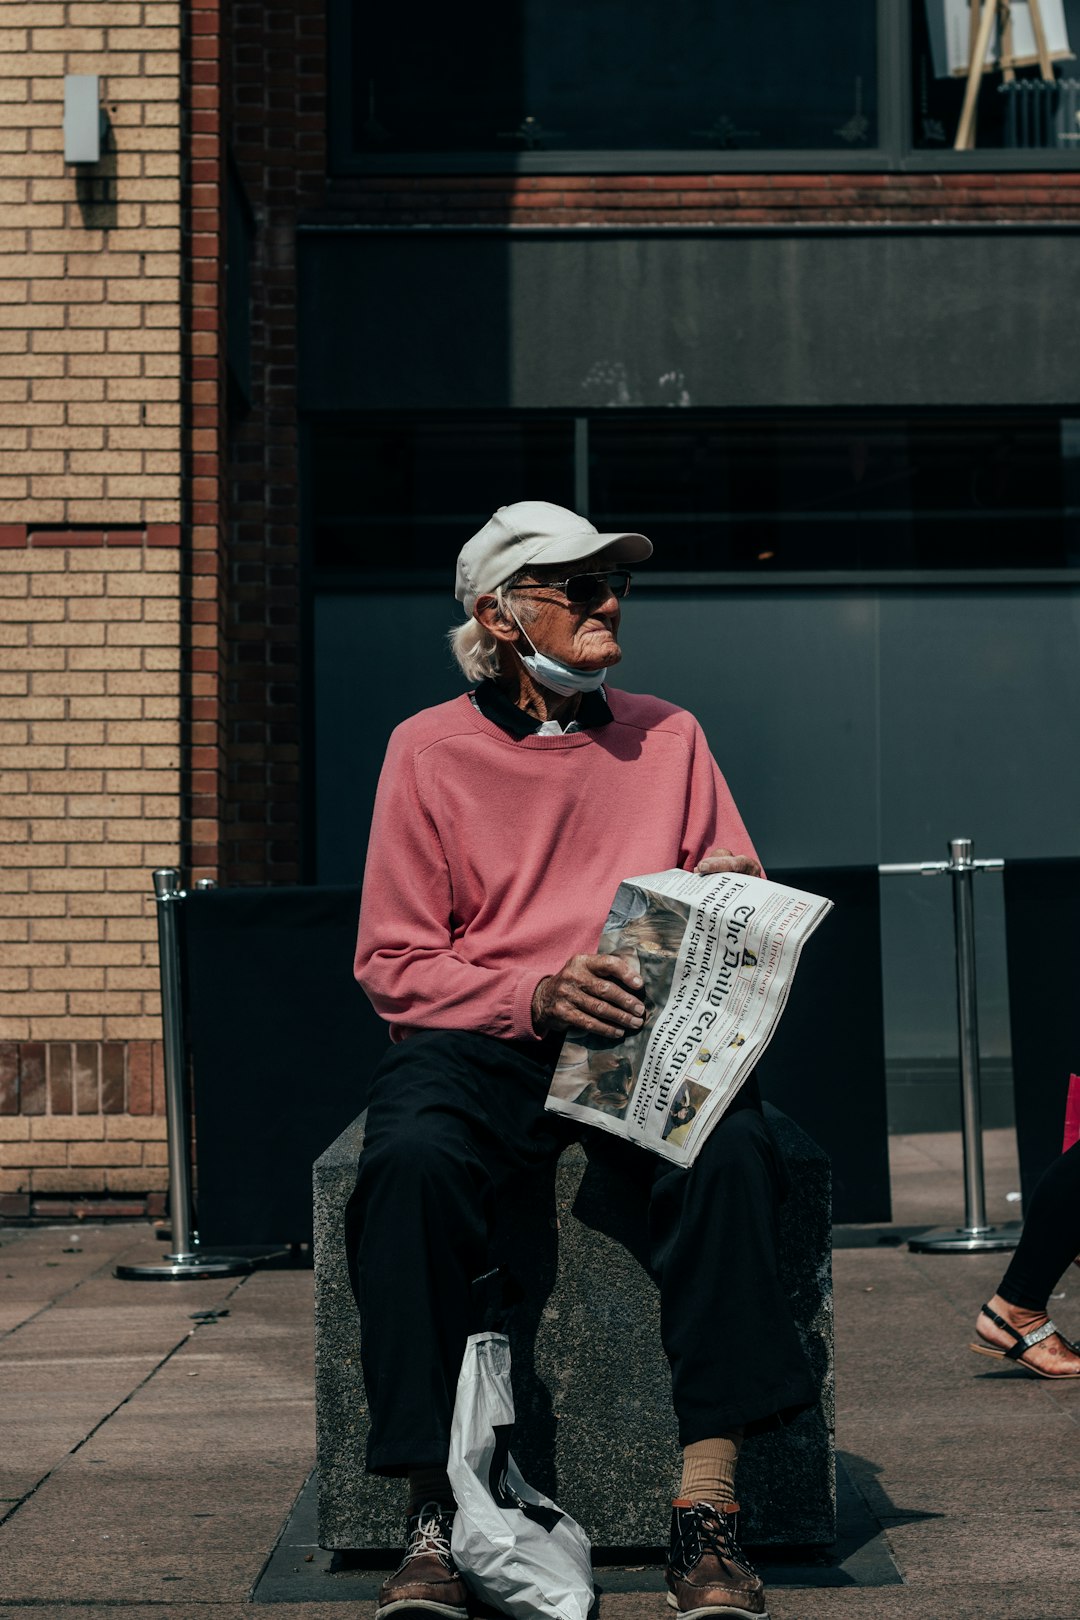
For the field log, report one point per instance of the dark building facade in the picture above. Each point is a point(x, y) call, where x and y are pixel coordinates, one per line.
point(737, 290)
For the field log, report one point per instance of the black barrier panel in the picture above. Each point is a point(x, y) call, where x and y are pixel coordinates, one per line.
point(826, 1065)
point(282, 1041)
point(1042, 940)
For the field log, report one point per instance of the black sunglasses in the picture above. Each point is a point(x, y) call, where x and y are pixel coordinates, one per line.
point(585, 590)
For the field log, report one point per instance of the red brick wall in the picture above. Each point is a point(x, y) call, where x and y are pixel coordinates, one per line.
point(203, 296)
point(710, 199)
point(278, 129)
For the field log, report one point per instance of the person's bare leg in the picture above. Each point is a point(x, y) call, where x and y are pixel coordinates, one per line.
point(1049, 1241)
point(1051, 1355)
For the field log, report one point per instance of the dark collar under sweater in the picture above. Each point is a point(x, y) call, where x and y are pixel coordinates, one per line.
point(495, 706)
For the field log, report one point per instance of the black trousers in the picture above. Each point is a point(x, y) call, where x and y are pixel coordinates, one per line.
point(1051, 1235)
point(453, 1116)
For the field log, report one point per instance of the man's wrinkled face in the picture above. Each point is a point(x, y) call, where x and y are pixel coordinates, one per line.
point(584, 637)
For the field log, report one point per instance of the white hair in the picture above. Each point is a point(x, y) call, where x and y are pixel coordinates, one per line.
point(475, 649)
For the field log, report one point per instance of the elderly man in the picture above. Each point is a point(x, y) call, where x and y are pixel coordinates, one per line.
point(504, 822)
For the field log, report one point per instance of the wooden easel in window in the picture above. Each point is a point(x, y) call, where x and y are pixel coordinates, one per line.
point(983, 15)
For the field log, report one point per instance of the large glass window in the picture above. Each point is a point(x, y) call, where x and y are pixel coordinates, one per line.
point(512, 76)
point(555, 86)
point(395, 497)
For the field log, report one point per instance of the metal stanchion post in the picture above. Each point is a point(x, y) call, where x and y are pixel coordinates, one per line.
point(976, 1235)
point(186, 1260)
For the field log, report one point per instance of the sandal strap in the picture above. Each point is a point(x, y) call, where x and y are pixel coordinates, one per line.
point(1036, 1336)
point(1024, 1341)
point(999, 1321)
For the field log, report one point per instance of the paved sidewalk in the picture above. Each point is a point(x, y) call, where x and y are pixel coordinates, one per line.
point(148, 1462)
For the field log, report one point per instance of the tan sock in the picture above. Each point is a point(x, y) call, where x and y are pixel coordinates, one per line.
point(708, 1469)
point(429, 1485)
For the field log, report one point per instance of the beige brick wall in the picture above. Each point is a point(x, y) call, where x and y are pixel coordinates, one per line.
point(90, 269)
point(114, 1154)
point(89, 786)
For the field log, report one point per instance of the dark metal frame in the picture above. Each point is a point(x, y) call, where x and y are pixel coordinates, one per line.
point(343, 582)
point(893, 153)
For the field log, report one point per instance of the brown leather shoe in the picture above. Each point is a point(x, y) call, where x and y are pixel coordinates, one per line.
point(426, 1580)
point(707, 1571)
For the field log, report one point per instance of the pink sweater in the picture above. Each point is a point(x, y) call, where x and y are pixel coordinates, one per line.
point(493, 860)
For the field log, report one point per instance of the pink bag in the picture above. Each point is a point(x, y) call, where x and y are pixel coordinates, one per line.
point(1072, 1114)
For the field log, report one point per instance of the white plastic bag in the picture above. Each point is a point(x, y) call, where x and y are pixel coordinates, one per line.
point(515, 1548)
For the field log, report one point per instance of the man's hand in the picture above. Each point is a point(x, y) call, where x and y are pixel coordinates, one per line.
point(592, 993)
point(722, 860)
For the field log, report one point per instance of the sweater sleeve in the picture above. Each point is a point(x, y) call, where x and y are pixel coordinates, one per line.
point(711, 817)
point(405, 960)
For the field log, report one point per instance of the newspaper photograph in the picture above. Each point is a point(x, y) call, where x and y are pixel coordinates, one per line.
point(717, 956)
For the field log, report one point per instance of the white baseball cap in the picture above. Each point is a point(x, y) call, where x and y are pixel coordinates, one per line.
point(528, 533)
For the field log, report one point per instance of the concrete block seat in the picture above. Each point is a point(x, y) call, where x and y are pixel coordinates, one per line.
point(595, 1428)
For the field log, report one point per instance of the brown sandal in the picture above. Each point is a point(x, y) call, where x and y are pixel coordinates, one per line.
point(1024, 1342)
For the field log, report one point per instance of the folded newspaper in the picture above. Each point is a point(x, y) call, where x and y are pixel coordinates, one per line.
point(717, 955)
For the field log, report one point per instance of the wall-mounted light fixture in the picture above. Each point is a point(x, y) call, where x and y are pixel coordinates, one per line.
point(84, 118)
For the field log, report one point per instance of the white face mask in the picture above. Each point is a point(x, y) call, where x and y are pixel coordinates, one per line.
point(554, 674)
